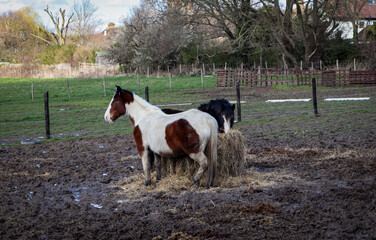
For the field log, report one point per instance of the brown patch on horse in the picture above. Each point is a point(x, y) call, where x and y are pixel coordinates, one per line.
point(182, 138)
point(132, 120)
point(121, 98)
point(138, 139)
point(127, 96)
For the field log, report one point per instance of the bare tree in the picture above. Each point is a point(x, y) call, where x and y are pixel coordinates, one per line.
point(302, 28)
point(350, 11)
point(235, 18)
point(150, 38)
point(85, 21)
point(61, 23)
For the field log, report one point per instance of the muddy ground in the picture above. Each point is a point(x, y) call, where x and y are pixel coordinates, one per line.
point(92, 188)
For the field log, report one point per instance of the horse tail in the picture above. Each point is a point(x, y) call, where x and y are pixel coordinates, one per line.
point(211, 152)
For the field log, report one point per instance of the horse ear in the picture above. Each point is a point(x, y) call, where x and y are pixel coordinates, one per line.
point(233, 107)
point(203, 107)
point(118, 90)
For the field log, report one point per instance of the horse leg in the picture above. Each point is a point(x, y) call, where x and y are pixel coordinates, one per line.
point(157, 164)
point(201, 159)
point(146, 166)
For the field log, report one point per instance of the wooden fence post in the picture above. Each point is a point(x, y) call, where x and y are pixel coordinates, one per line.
point(202, 79)
point(47, 115)
point(314, 96)
point(354, 64)
point(169, 75)
point(138, 82)
point(32, 91)
point(104, 86)
point(238, 101)
point(147, 93)
point(68, 89)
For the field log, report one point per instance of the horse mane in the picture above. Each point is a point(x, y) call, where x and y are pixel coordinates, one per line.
point(145, 104)
point(215, 105)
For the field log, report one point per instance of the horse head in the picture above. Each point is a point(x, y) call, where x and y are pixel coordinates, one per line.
point(117, 106)
point(222, 111)
point(227, 115)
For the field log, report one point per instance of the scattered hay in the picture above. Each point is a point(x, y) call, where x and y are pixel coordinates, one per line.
point(231, 160)
point(172, 183)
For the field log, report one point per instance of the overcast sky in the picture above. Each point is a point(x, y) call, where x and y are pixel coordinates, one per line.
point(108, 10)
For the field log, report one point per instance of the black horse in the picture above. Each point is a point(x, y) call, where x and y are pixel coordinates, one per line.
point(221, 109)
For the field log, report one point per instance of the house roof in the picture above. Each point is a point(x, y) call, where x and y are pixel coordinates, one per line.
point(110, 26)
point(368, 11)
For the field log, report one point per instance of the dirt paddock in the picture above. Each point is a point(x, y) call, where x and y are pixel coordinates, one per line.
point(92, 189)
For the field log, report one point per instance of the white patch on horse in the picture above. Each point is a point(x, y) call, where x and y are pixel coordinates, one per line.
point(226, 124)
point(107, 114)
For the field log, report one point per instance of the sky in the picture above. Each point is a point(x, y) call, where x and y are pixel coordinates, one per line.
point(108, 10)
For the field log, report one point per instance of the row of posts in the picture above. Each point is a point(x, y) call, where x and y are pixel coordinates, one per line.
point(104, 85)
point(242, 66)
point(238, 105)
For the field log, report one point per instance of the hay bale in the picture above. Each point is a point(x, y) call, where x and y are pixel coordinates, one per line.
point(231, 159)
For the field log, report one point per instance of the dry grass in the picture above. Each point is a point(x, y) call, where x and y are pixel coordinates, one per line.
point(247, 177)
point(177, 174)
point(231, 159)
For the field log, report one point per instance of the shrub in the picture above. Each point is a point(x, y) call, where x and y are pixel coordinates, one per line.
point(57, 54)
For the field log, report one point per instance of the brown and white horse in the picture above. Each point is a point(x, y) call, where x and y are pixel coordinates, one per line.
point(192, 132)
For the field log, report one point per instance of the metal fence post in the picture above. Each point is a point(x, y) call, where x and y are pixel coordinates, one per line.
point(47, 115)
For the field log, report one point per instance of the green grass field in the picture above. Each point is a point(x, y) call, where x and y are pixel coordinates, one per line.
point(82, 114)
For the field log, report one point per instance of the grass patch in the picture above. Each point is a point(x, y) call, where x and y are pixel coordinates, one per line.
point(82, 114)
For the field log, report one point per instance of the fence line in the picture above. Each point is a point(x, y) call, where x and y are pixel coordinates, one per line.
point(83, 70)
point(250, 110)
point(92, 70)
point(294, 77)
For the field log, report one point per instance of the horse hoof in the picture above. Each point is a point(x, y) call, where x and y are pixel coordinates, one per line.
point(147, 182)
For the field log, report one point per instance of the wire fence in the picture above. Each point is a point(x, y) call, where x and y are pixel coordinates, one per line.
point(92, 70)
point(83, 116)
